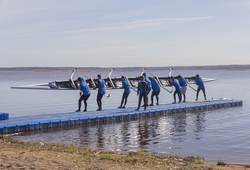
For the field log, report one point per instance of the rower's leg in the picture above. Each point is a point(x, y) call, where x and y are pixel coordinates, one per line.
point(123, 96)
point(179, 96)
point(85, 102)
point(139, 102)
point(204, 92)
point(79, 103)
point(126, 99)
point(152, 99)
point(184, 96)
point(145, 98)
point(99, 101)
point(198, 90)
point(175, 96)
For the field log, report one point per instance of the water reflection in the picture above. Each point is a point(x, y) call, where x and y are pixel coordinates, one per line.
point(125, 136)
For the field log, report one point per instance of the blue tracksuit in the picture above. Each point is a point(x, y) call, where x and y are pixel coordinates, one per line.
point(101, 86)
point(200, 83)
point(155, 85)
point(147, 80)
point(84, 87)
point(126, 86)
point(182, 81)
point(176, 84)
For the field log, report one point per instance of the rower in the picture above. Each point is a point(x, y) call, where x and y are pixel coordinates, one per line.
point(177, 86)
point(142, 89)
point(127, 90)
point(149, 85)
point(101, 91)
point(156, 90)
point(183, 84)
point(84, 94)
point(201, 86)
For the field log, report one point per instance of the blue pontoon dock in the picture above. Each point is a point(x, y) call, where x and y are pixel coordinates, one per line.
point(40, 122)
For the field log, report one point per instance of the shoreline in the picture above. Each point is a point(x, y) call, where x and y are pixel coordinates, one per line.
point(31, 155)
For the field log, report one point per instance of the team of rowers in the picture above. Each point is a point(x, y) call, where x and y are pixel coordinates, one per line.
point(146, 84)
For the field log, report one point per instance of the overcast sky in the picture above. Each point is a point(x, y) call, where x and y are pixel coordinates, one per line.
point(124, 33)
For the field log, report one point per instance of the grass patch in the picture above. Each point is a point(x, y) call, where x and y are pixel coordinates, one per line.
point(220, 163)
point(140, 159)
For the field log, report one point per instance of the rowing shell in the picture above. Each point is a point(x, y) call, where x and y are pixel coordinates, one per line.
point(110, 83)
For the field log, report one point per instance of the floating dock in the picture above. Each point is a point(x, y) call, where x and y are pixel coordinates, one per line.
point(4, 116)
point(40, 122)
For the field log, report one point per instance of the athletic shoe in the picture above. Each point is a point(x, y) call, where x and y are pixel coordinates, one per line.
point(120, 107)
point(157, 103)
point(99, 110)
point(77, 111)
point(123, 107)
point(84, 110)
point(179, 102)
point(174, 103)
point(151, 104)
point(136, 109)
point(144, 109)
point(184, 101)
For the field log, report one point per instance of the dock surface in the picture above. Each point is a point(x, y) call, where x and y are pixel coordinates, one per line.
point(40, 122)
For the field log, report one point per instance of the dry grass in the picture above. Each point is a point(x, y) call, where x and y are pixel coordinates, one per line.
point(29, 155)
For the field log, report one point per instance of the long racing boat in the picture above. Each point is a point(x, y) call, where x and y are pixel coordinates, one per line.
point(110, 83)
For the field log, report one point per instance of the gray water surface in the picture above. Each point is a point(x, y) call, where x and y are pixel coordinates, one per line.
point(217, 135)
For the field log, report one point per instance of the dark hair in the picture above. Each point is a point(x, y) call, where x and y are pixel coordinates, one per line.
point(79, 79)
point(99, 75)
point(150, 78)
point(123, 77)
point(197, 75)
point(142, 77)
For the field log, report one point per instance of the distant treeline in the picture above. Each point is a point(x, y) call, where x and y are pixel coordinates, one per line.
point(214, 67)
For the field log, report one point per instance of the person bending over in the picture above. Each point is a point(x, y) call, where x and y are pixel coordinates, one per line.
point(201, 86)
point(156, 90)
point(127, 90)
point(183, 84)
point(85, 93)
point(177, 86)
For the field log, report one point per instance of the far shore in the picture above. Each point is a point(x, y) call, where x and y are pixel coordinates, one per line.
point(61, 70)
point(83, 70)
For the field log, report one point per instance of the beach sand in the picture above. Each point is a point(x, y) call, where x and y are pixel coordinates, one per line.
point(25, 155)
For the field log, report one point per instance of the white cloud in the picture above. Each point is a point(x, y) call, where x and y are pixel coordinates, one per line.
point(138, 24)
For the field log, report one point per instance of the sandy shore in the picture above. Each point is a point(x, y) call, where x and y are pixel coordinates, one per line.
point(25, 155)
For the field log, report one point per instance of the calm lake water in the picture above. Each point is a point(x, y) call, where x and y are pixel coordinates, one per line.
point(217, 135)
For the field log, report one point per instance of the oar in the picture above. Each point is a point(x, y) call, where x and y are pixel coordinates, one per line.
point(127, 79)
point(84, 74)
point(188, 84)
point(159, 81)
point(191, 87)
